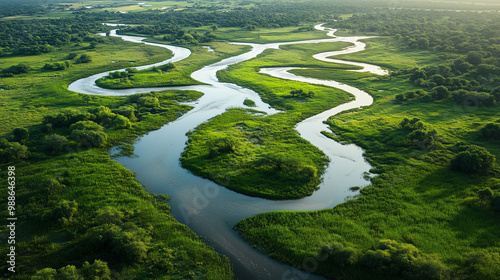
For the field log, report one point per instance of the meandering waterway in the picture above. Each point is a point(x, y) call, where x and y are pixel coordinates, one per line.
point(211, 210)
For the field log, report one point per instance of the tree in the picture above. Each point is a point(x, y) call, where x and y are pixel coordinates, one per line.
point(97, 271)
point(12, 151)
point(84, 58)
point(20, 135)
point(121, 122)
point(45, 274)
point(63, 212)
point(54, 143)
point(473, 159)
point(491, 131)
point(222, 145)
point(86, 125)
point(109, 215)
point(485, 194)
point(440, 93)
point(69, 272)
point(474, 58)
point(89, 138)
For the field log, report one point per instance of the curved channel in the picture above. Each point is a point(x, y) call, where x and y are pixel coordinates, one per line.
point(211, 210)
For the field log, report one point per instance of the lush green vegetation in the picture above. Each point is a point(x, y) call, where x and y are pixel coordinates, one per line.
point(172, 74)
point(431, 135)
point(263, 155)
point(79, 212)
point(431, 213)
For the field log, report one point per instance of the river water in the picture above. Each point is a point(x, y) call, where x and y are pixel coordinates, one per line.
point(211, 210)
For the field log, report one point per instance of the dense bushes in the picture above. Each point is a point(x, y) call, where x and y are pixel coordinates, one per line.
point(473, 159)
point(99, 270)
point(389, 258)
point(10, 151)
point(491, 131)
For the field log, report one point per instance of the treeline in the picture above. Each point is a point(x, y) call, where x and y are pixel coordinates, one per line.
point(10, 9)
point(458, 32)
point(277, 14)
point(469, 43)
point(33, 37)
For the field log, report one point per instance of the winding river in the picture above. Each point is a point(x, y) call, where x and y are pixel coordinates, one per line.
point(211, 210)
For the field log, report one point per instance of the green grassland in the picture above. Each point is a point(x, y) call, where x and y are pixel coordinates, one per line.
point(379, 48)
point(269, 158)
point(416, 199)
point(26, 98)
point(181, 74)
point(265, 35)
point(74, 204)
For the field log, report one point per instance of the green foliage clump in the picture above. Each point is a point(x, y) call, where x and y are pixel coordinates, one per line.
point(491, 131)
point(63, 213)
point(127, 243)
point(121, 122)
point(66, 117)
point(473, 159)
point(388, 260)
point(84, 58)
point(20, 135)
point(98, 270)
point(57, 65)
point(20, 68)
point(403, 261)
point(249, 103)
point(89, 133)
point(482, 265)
point(10, 151)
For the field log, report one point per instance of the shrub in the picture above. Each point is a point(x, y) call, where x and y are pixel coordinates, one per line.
point(126, 111)
point(12, 151)
point(20, 135)
point(54, 143)
point(63, 213)
point(45, 274)
point(89, 138)
point(491, 131)
point(98, 270)
point(149, 101)
point(84, 58)
point(473, 159)
point(121, 122)
point(482, 265)
point(67, 117)
point(104, 115)
point(220, 146)
point(69, 272)
point(86, 125)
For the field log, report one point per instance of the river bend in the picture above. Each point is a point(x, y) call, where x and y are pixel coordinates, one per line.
point(211, 210)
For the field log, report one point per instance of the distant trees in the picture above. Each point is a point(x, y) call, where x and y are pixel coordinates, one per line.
point(34, 37)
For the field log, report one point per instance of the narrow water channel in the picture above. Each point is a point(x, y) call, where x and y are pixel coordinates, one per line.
point(211, 210)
